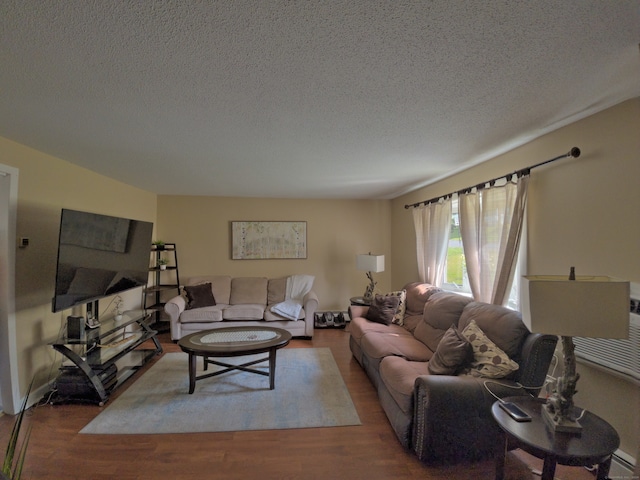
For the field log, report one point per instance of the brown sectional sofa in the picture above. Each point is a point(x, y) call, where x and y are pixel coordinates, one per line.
point(446, 418)
point(239, 301)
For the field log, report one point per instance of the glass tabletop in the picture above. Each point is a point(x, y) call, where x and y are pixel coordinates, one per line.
point(230, 339)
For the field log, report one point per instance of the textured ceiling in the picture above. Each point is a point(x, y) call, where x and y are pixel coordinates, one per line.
point(304, 99)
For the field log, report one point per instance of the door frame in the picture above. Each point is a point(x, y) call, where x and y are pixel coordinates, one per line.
point(10, 398)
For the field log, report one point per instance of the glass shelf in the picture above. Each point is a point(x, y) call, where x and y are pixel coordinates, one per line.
point(114, 340)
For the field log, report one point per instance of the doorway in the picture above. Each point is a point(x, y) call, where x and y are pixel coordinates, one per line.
point(9, 382)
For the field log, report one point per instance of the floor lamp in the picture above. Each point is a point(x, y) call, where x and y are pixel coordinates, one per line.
point(370, 264)
point(573, 306)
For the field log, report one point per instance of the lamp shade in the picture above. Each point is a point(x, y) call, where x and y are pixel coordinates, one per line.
point(589, 306)
point(370, 263)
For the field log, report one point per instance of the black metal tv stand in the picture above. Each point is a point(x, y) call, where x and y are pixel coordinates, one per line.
point(104, 358)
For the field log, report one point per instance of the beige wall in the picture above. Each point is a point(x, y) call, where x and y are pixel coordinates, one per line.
point(582, 212)
point(337, 230)
point(46, 185)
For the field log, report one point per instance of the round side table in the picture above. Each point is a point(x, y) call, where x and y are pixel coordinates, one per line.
point(359, 301)
point(594, 446)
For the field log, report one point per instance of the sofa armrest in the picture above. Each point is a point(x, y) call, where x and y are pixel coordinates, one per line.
point(452, 419)
point(310, 305)
point(358, 311)
point(175, 307)
point(310, 300)
point(537, 351)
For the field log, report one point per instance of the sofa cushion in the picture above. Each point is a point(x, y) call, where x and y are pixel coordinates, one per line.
point(417, 295)
point(380, 345)
point(442, 310)
point(201, 315)
point(410, 322)
point(453, 353)
point(360, 326)
point(245, 311)
point(199, 296)
point(503, 326)
point(399, 376)
point(488, 359)
point(276, 290)
point(248, 290)
point(383, 309)
point(220, 286)
point(398, 317)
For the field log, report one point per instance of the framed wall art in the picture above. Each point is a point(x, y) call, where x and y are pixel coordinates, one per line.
point(268, 240)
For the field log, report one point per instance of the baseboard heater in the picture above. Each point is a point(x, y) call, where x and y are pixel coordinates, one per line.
point(619, 357)
point(621, 465)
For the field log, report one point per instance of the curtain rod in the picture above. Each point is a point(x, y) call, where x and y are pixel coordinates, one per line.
point(573, 153)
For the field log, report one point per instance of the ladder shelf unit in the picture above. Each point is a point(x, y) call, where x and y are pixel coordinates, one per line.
point(165, 283)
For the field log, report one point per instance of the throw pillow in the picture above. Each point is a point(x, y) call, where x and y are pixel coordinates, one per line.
point(488, 359)
point(199, 296)
point(383, 309)
point(398, 318)
point(454, 352)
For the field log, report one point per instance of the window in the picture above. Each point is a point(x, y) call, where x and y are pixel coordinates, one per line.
point(456, 279)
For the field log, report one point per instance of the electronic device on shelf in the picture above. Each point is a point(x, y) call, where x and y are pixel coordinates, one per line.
point(92, 323)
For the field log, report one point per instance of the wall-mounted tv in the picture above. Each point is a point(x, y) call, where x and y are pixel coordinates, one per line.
point(99, 256)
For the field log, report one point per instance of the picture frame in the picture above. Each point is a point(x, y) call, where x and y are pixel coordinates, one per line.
point(268, 240)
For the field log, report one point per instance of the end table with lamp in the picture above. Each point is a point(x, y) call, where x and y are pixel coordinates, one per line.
point(558, 431)
point(594, 446)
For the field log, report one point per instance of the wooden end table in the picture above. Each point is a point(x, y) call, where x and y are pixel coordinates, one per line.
point(359, 301)
point(594, 446)
point(233, 342)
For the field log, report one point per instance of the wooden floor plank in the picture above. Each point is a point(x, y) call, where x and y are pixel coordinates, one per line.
point(370, 451)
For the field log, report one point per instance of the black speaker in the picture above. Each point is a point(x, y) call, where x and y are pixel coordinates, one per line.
point(75, 328)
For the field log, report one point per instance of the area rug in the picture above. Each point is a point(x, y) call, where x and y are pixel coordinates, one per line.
point(309, 392)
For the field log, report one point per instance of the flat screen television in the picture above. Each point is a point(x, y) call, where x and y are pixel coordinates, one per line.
point(99, 256)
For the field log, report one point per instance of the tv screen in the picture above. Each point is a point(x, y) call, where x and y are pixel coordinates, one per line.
point(99, 256)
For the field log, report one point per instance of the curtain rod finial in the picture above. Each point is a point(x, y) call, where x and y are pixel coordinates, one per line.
point(574, 152)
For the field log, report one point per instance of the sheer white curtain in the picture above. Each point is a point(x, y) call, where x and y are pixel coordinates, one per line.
point(432, 224)
point(491, 227)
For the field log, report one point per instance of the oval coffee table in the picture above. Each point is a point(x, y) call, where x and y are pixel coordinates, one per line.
point(233, 342)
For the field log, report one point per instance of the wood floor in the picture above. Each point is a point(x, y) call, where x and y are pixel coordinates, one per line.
point(370, 451)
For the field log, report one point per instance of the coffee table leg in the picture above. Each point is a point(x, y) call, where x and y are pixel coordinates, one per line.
point(192, 373)
point(272, 369)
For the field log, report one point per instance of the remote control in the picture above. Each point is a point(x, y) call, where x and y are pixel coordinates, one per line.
point(515, 412)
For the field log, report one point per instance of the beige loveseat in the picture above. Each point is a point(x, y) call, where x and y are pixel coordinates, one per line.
point(217, 301)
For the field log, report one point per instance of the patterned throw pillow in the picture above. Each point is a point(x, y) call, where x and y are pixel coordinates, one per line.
point(398, 318)
point(488, 359)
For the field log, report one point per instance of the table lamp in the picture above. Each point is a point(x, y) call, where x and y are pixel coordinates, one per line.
point(370, 264)
point(573, 306)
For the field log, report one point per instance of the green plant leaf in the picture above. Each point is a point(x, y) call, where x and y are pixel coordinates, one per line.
point(8, 468)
